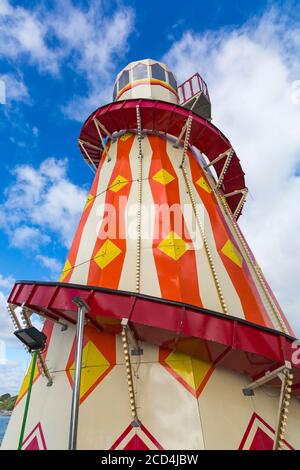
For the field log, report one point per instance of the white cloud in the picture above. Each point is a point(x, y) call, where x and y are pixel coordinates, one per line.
point(28, 237)
point(15, 89)
point(6, 328)
point(102, 42)
point(88, 39)
point(35, 131)
point(7, 282)
point(39, 203)
point(50, 263)
point(23, 34)
point(11, 374)
point(250, 73)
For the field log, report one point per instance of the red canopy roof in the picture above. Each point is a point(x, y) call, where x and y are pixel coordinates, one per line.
point(236, 344)
point(169, 119)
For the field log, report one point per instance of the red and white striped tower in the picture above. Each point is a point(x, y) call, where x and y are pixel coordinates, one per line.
point(185, 345)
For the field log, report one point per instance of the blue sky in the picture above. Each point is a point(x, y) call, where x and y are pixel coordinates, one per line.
point(58, 61)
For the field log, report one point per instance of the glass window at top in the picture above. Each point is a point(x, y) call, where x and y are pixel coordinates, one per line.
point(158, 72)
point(172, 80)
point(140, 71)
point(115, 91)
point(124, 79)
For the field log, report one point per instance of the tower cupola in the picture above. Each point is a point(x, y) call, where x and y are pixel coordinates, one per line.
point(146, 79)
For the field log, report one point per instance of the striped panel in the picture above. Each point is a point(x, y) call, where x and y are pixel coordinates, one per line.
point(149, 279)
point(71, 259)
point(89, 233)
point(204, 277)
point(231, 297)
point(238, 280)
point(174, 254)
point(110, 247)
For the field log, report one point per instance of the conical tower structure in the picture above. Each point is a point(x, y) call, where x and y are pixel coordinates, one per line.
point(185, 345)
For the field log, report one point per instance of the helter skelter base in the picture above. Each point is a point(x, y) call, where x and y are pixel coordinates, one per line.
point(185, 345)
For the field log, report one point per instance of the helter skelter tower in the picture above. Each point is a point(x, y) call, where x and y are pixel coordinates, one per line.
point(185, 346)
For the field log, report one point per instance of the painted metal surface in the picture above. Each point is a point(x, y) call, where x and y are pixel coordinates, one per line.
point(168, 119)
point(205, 335)
point(174, 395)
point(194, 301)
point(198, 260)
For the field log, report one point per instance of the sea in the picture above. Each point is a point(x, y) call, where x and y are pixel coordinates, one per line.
point(3, 425)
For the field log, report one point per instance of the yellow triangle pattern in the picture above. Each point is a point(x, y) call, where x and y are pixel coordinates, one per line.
point(191, 370)
point(65, 271)
point(173, 246)
point(88, 201)
point(118, 183)
point(163, 177)
point(94, 364)
point(231, 252)
point(203, 184)
point(107, 253)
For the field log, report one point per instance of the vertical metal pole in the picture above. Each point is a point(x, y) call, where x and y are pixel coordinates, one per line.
point(34, 356)
point(77, 376)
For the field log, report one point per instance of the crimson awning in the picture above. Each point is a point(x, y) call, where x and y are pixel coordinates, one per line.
point(166, 118)
point(236, 344)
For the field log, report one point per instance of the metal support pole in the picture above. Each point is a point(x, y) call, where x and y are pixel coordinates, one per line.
point(267, 377)
point(34, 356)
point(82, 309)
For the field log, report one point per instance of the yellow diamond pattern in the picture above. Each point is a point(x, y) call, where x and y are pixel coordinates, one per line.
point(231, 252)
point(88, 201)
point(94, 364)
point(125, 136)
point(173, 246)
point(107, 253)
point(189, 369)
point(163, 177)
point(65, 271)
point(118, 183)
point(203, 184)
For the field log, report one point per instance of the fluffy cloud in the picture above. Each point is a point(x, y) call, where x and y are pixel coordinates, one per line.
point(40, 202)
point(7, 282)
point(50, 263)
point(11, 374)
point(23, 34)
point(6, 326)
point(88, 39)
point(99, 42)
point(27, 237)
point(14, 89)
point(251, 73)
